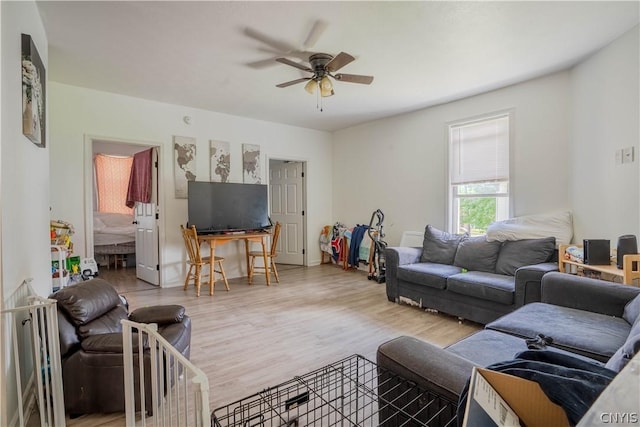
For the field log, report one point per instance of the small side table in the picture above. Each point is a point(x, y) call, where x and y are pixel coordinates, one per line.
point(629, 273)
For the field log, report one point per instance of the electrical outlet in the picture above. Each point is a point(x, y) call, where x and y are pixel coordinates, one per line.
point(627, 155)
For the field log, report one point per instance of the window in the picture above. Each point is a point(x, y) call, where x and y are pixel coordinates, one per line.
point(478, 173)
point(112, 183)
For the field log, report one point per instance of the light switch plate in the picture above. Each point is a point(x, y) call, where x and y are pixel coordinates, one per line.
point(628, 155)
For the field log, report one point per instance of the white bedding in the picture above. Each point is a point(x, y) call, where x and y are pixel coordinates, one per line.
point(113, 228)
point(558, 225)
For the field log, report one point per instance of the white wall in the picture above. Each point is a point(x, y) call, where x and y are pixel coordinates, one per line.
point(605, 117)
point(399, 164)
point(25, 167)
point(24, 174)
point(77, 112)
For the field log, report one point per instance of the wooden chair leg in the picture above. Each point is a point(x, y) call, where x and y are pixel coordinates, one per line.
point(275, 270)
point(186, 279)
point(253, 261)
point(197, 279)
point(212, 282)
point(224, 276)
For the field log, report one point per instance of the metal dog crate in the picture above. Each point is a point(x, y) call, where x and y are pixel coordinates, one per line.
point(350, 392)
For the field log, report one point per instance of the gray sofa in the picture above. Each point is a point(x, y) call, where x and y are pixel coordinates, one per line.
point(591, 319)
point(468, 277)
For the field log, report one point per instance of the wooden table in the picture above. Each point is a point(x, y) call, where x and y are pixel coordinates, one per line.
point(214, 240)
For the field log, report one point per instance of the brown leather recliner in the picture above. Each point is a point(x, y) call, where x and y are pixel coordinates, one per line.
point(90, 331)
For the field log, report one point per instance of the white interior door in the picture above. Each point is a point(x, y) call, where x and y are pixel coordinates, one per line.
point(147, 263)
point(146, 220)
point(286, 186)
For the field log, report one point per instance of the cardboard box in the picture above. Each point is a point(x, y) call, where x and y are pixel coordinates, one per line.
point(498, 400)
point(71, 261)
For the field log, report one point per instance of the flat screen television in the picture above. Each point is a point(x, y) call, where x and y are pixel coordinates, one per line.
point(216, 207)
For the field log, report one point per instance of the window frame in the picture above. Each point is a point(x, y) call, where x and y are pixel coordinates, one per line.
point(452, 197)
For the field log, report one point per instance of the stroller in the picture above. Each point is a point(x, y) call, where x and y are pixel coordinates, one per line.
point(377, 268)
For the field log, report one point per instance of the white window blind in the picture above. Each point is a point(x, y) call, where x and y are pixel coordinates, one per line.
point(480, 151)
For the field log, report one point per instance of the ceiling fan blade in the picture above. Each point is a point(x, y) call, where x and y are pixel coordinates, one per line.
point(279, 45)
point(263, 63)
point(354, 78)
point(316, 31)
point(294, 64)
point(293, 82)
point(339, 61)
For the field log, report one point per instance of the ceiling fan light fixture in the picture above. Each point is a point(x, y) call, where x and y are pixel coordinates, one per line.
point(311, 86)
point(326, 87)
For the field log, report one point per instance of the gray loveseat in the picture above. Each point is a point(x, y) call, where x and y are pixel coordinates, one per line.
point(591, 319)
point(468, 277)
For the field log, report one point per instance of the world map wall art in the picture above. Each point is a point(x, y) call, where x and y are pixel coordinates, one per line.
point(219, 161)
point(251, 163)
point(33, 93)
point(184, 167)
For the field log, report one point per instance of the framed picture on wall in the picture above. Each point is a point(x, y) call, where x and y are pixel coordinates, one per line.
point(251, 163)
point(184, 166)
point(33, 93)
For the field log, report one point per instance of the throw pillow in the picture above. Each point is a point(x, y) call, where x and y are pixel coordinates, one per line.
point(477, 254)
point(439, 246)
point(631, 311)
point(518, 253)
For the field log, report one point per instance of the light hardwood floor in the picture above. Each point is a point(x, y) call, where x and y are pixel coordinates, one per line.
point(256, 336)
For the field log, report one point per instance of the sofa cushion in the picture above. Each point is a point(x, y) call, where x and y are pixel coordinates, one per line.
point(477, 254)
point(427, 274)
point(160, 314)
point(487, 347)
point(632, 310)
point(591, 334)
point(439, 246)
point(482, 285)
point(86, 301)
point(625, 353)
point(518, 253)
point(107, 323)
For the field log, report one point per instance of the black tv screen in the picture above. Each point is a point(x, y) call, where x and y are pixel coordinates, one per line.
point(221, 206)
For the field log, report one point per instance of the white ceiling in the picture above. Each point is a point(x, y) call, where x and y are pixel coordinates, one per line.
point(209, 54)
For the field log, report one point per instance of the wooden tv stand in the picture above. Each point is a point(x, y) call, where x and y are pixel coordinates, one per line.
point(628, 273)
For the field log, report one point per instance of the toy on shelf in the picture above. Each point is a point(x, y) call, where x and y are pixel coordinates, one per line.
point(61, 250)
point(61, 232)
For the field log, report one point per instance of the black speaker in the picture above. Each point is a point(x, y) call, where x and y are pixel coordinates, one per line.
point(597, 251)
point(627, 244)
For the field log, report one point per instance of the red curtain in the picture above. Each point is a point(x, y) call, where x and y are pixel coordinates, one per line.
point(140, 179)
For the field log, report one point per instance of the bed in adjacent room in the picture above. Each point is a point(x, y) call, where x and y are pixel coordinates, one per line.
point(114, 237)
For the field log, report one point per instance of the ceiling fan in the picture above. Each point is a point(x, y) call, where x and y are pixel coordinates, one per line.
point(279, 47)
point(323, 66)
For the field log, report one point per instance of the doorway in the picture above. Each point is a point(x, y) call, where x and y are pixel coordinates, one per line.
point(287, 206)
point(139, 239)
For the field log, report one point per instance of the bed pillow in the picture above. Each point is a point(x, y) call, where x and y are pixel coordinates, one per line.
point(112, 219)
point(557, 224)
point(518, 253)
point(98, 224)
point(439, 246)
